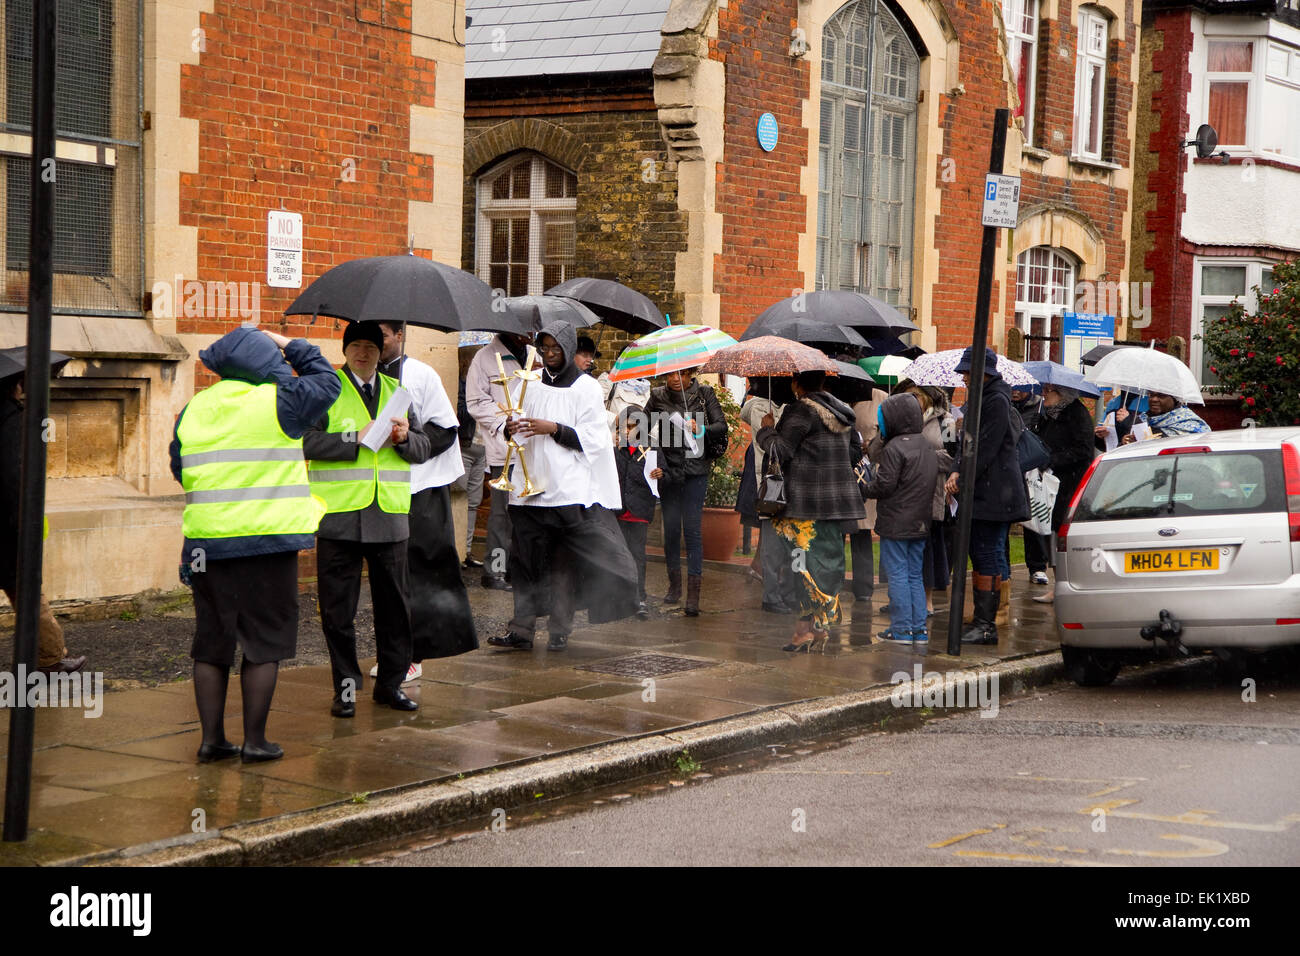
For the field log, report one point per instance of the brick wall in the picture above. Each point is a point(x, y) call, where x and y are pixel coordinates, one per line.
point(284, 94)
point(758, 193)
point(628, 225)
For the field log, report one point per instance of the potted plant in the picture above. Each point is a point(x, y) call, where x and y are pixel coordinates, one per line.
point(720, 525)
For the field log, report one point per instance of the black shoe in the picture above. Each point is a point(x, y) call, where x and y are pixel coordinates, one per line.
point(210, 752)
point(886, 610)
point(777, 608)
point(343, 708)
point(494, 583)
point(642, 611)
point(471, 562)
point(980, 634)
point(395, 699)
point(249, 754)
point(511, 641)
point(558, 642)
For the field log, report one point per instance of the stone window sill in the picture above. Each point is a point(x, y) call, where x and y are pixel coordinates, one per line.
point(1033, 152)
point(1085, 162)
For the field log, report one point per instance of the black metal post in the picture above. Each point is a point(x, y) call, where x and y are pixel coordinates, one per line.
point(40, 285)
point(974, 395)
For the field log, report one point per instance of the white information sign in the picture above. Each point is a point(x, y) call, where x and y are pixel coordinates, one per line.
point(1001, 200)
point(284, 249)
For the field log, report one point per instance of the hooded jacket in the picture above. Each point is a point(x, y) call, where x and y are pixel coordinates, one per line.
point(907, 471)
point(248, 355)
point(817, 446)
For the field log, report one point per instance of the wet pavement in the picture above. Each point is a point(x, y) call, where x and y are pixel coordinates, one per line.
point(129, 777)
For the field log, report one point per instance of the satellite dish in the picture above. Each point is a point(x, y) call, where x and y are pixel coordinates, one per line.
point(1206, 140)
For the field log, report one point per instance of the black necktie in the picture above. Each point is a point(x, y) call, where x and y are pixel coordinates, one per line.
point(365, 390)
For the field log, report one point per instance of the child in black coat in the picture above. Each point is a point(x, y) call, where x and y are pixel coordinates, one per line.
point(638, 499)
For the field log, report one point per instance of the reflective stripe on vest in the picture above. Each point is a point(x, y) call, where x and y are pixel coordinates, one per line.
point(353, 485)
point(243, 476)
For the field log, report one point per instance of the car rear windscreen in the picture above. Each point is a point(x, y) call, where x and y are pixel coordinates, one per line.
point(1186, 485)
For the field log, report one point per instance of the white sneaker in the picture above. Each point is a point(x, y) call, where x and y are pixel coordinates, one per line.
point(1039, 577)
point(413, 673)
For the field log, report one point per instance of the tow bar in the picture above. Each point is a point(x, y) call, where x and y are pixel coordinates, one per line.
point(1168, 630)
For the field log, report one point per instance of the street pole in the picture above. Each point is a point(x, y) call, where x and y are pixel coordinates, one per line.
point(40, 289)
point(974, 395)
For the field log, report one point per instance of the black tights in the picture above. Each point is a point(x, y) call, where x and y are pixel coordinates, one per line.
point(256, 681)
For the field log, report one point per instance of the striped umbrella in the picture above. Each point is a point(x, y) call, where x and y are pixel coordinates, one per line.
point(669, 350)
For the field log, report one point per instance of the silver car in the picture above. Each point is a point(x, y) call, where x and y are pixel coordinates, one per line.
point(1190, 542)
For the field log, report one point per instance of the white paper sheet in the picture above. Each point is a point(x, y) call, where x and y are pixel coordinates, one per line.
point(687, 428)
point(381, 430)
point(1140, 431)
point(1111, 439)
point(651, 463)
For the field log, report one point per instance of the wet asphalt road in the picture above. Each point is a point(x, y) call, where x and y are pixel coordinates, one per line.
point(1153, 771)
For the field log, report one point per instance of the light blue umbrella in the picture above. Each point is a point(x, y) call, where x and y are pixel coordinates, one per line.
point(1050, 373)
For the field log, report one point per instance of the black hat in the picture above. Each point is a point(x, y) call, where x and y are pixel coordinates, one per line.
point(366, 331)
point(990, 361)
point(585, 344)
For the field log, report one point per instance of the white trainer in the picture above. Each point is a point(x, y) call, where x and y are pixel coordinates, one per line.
point(413, 673)
point(1039, 577)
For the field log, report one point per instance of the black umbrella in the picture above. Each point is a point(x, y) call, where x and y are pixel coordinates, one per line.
point(805, 330)
point(852, 385)
point(616, 304)
point(861, 312)
point(13, 361)
point(536, 311)
point(1099, 352)
point(408, 289)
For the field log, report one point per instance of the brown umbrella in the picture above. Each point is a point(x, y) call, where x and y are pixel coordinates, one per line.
point(769, 355)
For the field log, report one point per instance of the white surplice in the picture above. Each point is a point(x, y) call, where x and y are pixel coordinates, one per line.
point(569, 477)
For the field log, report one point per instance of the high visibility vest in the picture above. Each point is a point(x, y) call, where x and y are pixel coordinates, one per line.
point(353, 485)
point(242, 474)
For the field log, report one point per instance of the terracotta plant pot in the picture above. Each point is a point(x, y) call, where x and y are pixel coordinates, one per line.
point(720, 528)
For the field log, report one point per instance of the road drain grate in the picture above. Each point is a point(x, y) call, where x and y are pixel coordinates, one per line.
point(646, 665)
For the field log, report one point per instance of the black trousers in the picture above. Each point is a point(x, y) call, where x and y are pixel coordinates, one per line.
point(1038, 551)
point(338, 575)
point(864, 565)
point(635, 533)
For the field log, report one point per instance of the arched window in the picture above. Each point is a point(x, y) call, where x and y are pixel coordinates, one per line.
point(866, 176)
point(527, 207)
point(1044, 289)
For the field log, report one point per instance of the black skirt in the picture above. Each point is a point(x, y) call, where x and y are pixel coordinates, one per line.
point(252, 602)
point(442, 624)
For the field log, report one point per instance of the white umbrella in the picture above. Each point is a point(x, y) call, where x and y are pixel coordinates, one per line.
point(939, 368)
point(1146, 370)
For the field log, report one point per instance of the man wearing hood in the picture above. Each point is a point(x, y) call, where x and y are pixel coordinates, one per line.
point(906, 472)
point(1000, 497)
point(568, 527)
point(368, 501)
point(249, 510)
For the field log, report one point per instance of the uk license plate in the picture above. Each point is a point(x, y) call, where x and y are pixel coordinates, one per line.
point(1173, 559)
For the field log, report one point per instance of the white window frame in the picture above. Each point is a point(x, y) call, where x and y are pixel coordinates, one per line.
point(1015, 13)
point(1060, 297)
point(1249, 300)
point(1090, 117)
point(1257, 80)
point(539, 210)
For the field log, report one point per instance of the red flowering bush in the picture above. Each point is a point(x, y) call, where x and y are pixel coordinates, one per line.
point(1257, 357)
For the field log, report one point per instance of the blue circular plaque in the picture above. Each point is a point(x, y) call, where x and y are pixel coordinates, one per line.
point(767, 132)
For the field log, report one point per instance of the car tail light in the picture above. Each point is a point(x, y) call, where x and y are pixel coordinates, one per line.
point(1074, 503)
point(1187, 450)
point(1288, 620)
point(1073, 627)
point(1291, 467)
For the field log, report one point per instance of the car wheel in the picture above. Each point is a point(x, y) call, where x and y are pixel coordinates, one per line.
point(1088, 667)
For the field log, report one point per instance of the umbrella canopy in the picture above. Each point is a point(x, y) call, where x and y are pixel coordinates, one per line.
point(469, 340)
point(852, 385)
point(535, 311)
point(938, 368)
point(886, 368)
point(616, 304)
point(669, 350)
point(769, 355)
point(1098, 352)
point(1050, 373)
point(1146, 370)
point(863, 313)
point(803, 329)
point(408, 289)
point(13, 361)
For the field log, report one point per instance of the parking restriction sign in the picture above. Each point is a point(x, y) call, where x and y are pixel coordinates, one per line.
point(1001, 200)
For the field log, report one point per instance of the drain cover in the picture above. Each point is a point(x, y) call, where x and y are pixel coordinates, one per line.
point(646, 665)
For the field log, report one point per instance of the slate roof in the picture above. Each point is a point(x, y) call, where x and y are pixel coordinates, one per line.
point(541, 37)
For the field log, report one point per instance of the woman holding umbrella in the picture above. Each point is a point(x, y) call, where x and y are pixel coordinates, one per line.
point(1066, 428)
point(1168, 416)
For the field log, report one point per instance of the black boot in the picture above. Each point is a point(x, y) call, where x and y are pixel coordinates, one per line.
point(674, 594)
point(692, 595)
point(984, 628)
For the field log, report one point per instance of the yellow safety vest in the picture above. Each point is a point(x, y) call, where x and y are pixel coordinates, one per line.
point(353, 485)
point(242, 474)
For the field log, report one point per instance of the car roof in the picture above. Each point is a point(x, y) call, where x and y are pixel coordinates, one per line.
point(1237, 439)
